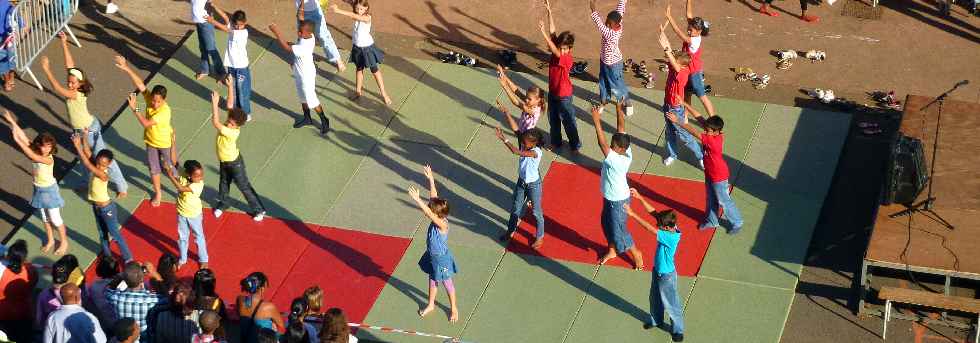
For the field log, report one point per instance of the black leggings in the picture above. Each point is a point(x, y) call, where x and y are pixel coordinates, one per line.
point(802, 4)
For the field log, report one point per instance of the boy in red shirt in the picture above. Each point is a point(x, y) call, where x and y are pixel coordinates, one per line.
point(674, 103)
point(715, 172)
point(561, 112)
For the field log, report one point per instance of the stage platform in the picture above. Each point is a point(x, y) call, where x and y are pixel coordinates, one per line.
point(933, 248)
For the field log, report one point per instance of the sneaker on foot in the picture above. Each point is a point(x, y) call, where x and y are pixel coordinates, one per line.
point(218, 213)
point(248, 118)
point(677, 337)
point(258, 217)
point(303, 122)
point(111, 8)
point(668, 161)
point(734, 230)
point(701, 162)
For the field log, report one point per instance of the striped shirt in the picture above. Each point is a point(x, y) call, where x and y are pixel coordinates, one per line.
point(610, 38)
point(135, 304)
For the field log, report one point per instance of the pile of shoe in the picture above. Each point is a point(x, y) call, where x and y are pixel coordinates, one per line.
point(886, 100)
point(785, 58)
point(816, 55)
point(742, 74)
point(824, 95)
point(508, 58)
point(759, 81)
point(640, 71)
point(579, 67)
point(456, 58)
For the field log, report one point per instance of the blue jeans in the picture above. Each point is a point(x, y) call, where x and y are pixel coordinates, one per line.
point(205, 42)
point(674, 131)
point(695, 84)
point(242, 78)
point(95, 141)
point(523, 192)
point(612, 86)
point(718, 193)
point(614, 224)
point(561, 113)
point(107, 218)
point(8, 60)
point(320, 29)
point(184, 225)
point(664, 298)
point(235, 171)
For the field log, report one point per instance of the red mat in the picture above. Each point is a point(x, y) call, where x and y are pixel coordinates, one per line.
point(352, 267)
point(573, 232)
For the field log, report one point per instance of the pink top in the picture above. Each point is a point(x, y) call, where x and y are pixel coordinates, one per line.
point(529, 120)
point(204, 338)
point(610, 38)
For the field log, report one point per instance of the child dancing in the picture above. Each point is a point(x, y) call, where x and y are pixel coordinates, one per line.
point(437, 261)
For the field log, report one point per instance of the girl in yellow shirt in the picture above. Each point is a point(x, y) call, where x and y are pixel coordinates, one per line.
point(47, 197)
point(76, 90)
point(189, 210)
point(106, 216)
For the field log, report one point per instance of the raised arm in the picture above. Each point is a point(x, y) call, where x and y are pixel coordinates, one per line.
point(513, 149)
point(216, 111)
point(69, 61)
point(510, 120)
point(365, 18)
point(299, 11)
point(21, 139)
point(144, 121)
point(58, 88)
point(643, 223)
point(440, 222)
point(124, 66)
point(690, 9)
point(427, 170)
point(620, 118)
point(282, 42)
point(551, 17)
point(646, 204)
point(600, 136)
point(668, 53)
point(511, 94)
point(673, 24)
point(81, 146)
point(226, 25)
point(596, 18)
point(547, 37)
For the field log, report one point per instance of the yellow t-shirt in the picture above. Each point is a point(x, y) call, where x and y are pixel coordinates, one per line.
point(44, 174)
point(227, 146)
point(159, 135)
point(98, 190)
point(78, 114)
point(189, 203)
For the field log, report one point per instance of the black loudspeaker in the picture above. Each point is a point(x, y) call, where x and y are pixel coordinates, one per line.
point(906, 176)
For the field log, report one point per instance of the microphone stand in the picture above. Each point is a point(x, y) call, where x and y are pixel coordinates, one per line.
point(926, 206)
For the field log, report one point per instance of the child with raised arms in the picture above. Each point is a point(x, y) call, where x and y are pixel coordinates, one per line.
point(528, 186)
point(437, 261)
point(104, 208)
point(531, 103)
point(561, 111)
point(364, 53)
point(304, 73)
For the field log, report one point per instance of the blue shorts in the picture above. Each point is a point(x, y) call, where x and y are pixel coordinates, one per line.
point(614, 224)
point(612, 86)
point(695, 84)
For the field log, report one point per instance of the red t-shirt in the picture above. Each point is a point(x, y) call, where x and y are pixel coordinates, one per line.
point(715, 168)
point(696, 63)
point(559, 81)
point(15, 294)
point(676, 81)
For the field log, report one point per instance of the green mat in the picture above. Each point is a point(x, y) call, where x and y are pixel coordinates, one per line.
point(722, 311)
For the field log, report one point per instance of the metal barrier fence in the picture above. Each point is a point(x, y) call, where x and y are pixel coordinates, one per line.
point(35, 23)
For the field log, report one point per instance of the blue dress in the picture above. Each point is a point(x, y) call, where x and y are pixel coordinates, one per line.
point(437, 261)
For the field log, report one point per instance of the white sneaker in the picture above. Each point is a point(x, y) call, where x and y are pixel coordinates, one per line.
point(217, 213)
point(629, 111)
point(668, 161)
point(111, 8)
point(701, 162)
point(259, 217)
point(249, 118)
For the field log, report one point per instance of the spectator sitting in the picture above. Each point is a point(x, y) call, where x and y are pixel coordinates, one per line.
point(210, 324)
point(70, 322)
point(125, 330)
point(205, 298)
point(335, 329)
point(50, 299)
point(107, 270)
point(314, 312)
point(178, 323)
point(17, 280)
point(164, 281)
point(135, 301)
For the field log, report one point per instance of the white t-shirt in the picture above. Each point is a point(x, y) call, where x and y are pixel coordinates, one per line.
point(303, 66)
point(615, 167)
point(236, 55)
point(362, 34)
point(695, 44)
point(198, 11)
